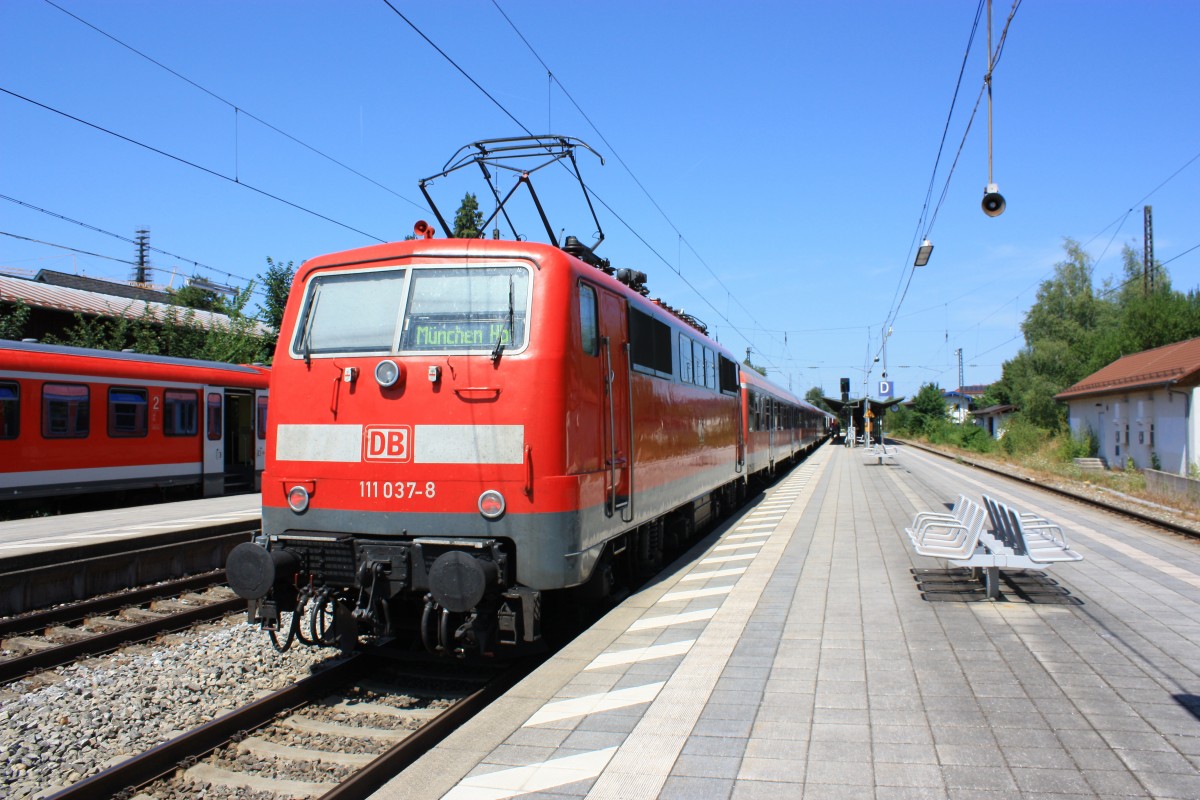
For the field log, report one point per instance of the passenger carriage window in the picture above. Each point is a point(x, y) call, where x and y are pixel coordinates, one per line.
point(10, 410)
point(181, 411)
point(480, 308)
point(261, 417)
point(589, 328)
point(215, 417)
point(126, 412)
point(65, 412)
point(685, 359)
point(350, 313)
point(698, 363)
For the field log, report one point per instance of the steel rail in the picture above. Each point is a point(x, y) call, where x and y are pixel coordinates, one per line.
point(13, 668)
point(390, 763)
point(1148, 519)
point(164, 758)
point(74, 612)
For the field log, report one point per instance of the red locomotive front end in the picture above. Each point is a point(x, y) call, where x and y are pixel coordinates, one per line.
point(461, 426)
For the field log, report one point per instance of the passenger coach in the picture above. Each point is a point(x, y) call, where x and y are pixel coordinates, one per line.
point(76, 421)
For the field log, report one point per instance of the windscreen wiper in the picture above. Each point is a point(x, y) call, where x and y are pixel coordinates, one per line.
point(306, 334)
point(499, 348)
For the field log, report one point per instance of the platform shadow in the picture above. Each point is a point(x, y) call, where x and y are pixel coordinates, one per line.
point(961, 585)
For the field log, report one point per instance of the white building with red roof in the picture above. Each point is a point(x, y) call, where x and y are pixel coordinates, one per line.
point(1142, 407)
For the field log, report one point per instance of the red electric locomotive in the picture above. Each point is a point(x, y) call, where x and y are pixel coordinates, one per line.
point(76, 421)
point(462, 426)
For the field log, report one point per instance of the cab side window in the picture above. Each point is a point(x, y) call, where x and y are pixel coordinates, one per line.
point(589, 327)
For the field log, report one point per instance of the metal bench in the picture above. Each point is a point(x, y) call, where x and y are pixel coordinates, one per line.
point(957, 512)
point(1015, 540)
point(881, 451)
point(951, 538)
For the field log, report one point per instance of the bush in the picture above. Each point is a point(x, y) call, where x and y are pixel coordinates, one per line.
point(1022, 437)
point(1080, 445)
point(965, 436)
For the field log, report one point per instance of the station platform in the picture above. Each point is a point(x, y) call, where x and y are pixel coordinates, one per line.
point(804, 650)
point(69, 531)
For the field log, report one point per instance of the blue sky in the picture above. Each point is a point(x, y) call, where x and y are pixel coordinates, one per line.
point(768, 162)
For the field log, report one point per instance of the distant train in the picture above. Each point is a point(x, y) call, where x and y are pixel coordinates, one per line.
point(75, 421)
point(463, 428)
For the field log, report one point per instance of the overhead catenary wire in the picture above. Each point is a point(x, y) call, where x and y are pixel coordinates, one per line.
point(188, 163)
point(589, 189)
point(96, 229)
point(238, 110)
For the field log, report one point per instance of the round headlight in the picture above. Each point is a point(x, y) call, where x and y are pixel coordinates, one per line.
point(297, 498)
point(387, 372)
point(491, 504)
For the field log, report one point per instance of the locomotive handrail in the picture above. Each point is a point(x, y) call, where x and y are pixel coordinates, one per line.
point(632, 461)
point(492, 393)
point(612, 428)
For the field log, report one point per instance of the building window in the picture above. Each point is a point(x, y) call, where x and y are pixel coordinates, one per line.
point(1152, 434)
point(126, 412)
point(10, 410)
point(65, 412)
point(180, 413)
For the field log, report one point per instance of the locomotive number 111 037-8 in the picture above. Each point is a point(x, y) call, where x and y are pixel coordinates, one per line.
point(395, 490)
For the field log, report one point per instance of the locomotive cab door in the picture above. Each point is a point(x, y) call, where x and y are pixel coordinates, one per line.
point(617, 412)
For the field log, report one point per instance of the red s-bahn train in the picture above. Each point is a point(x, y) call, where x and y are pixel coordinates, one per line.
point(76, 421)
point(461, 428)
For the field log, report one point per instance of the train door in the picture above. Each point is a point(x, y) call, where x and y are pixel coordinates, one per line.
point(260, 436)
point(240, 441)
point(213, 434)
point(769, 416)
point(617, 411)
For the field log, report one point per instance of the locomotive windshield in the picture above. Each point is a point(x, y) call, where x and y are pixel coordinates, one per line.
point(351, 313)
point(424, 309)
point(466, 309)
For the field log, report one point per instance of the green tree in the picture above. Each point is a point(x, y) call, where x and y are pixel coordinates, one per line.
point(13, 320)
point(816, 396)
point(277, 284)
point(929, 406)
point(468, 222)
point(760, 370)
point(193, 296)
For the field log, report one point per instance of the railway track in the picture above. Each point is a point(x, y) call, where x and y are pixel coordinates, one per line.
point(340, 734)
point(44, 578)
point(1161, 520)
point(42, 640)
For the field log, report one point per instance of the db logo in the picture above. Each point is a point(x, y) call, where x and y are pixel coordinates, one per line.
point(386, 443)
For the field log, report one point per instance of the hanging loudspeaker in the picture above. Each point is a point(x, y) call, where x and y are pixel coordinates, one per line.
point(993, 201)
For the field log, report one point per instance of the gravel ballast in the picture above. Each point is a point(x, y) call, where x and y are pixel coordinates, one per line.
point(62, 726)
